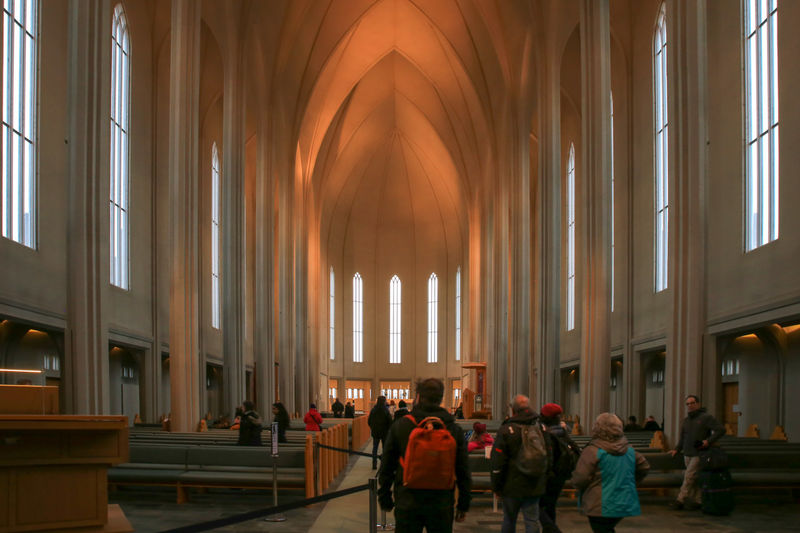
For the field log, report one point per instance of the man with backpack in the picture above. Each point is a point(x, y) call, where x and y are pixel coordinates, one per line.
point(521, 459)
point(425, 458)
point(565, 456)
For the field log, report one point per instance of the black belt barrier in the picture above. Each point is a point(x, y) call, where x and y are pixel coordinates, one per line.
point(351, 452)
point(251, 515)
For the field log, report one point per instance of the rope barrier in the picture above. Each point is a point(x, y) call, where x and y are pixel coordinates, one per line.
point(351, 452)
point(251, 515)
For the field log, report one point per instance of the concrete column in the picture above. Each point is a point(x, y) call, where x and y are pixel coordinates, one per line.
point(594, 178)
point(549, 231)
point(86, 361)
point(519, 194)
point(285, 356)
point(688, 82)
point(187, 374)
point(264, 330)
point(233, 215)
point(300, 354)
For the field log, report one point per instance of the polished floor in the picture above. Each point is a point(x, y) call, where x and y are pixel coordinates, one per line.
point(154, 510)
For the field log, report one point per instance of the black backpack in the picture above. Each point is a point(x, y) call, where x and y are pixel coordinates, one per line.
point(566, 456)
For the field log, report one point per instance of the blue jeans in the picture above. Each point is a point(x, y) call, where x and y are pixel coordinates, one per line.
point(530, 511)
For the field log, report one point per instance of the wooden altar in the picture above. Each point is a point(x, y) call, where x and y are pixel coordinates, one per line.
point(53, 472)
point(475, 403)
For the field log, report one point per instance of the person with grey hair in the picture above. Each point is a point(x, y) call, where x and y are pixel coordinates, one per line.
point(606, 475)
point(518, 486)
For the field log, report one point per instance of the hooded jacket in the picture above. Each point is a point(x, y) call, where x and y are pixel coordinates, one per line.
point(506, 478)
point(379, 421)
point(607, 473)
point(391, 472)
point(698, 426)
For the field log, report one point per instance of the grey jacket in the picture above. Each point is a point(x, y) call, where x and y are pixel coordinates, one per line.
point(698, 426)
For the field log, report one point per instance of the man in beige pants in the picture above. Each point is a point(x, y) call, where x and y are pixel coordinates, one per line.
point(699, 430)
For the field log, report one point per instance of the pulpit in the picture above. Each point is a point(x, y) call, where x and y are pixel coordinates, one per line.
point(476, 402)
point(53, 472)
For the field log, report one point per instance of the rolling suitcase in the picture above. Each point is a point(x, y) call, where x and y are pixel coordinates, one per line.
point(716, 489)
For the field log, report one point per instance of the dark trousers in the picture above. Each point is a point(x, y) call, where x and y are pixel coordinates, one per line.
point(434, 520)
point(603, 524)
point(375, 442)
point(547, 504)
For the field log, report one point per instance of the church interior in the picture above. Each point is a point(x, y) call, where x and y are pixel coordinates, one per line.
point(584, 201)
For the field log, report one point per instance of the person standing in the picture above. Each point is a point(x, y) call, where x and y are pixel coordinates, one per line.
point(415, 507)
point(281, 416)
point(349, 410)
point(699, 431)
point(337, 408)
point(312, 419)
point(249, 426)
point(607, 474)
point(402, 410)
point(520, 487)
point(565, 457)
point(379, 421)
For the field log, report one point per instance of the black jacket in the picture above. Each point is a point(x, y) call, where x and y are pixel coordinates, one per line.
point(391, 473)
point(349, 411)
point(698, 426)
point(379, 421)
point(337, 409)
point(506, 479)
point(400, 413)
point(250, 429)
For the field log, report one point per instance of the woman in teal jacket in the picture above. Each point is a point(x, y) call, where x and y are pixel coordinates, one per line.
point(607, 474)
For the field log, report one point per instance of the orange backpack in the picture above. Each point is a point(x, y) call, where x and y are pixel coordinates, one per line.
point(430, 459)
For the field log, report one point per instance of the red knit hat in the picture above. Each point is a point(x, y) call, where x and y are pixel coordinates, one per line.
point(549, 410)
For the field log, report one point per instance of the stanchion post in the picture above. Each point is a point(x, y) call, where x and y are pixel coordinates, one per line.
point(373, 504)
point(317, 465)
point(277, 517)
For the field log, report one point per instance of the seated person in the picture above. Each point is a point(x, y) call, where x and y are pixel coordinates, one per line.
point(632, 425)
point(480, 438)
point(651, 425)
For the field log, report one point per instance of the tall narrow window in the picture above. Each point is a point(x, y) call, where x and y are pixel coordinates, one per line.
point(395, 292)
point(571, 238)
point(611, 101)
point(215, 237)
point(761, 115)
point(331, 317)
point(20, 20)
point(118, 206)
point(433, 318)
point(458, 314)
point(661, 151)
point(358, 319)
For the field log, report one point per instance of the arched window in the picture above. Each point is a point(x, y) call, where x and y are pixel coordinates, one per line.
point(458, 314)
point(571, 238)
point(20, 21)
point(332, 316)
point(215, 237)
point(611, 101)
point(118, 161)
point(661, 150)
point(395, 292)
point(433, 318)
point(761, 117)
point(358, 319)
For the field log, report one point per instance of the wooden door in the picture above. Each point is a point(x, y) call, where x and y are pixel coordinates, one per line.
point(731, 394)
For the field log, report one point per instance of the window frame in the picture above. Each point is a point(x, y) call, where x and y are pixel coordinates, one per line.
point(119, 151)
point(571, 238)
point(661, 152)
point(761, 113)
point(433, 318)
point(216, 238)
point(395, 320)
point(358, 318)
point(19, 125)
